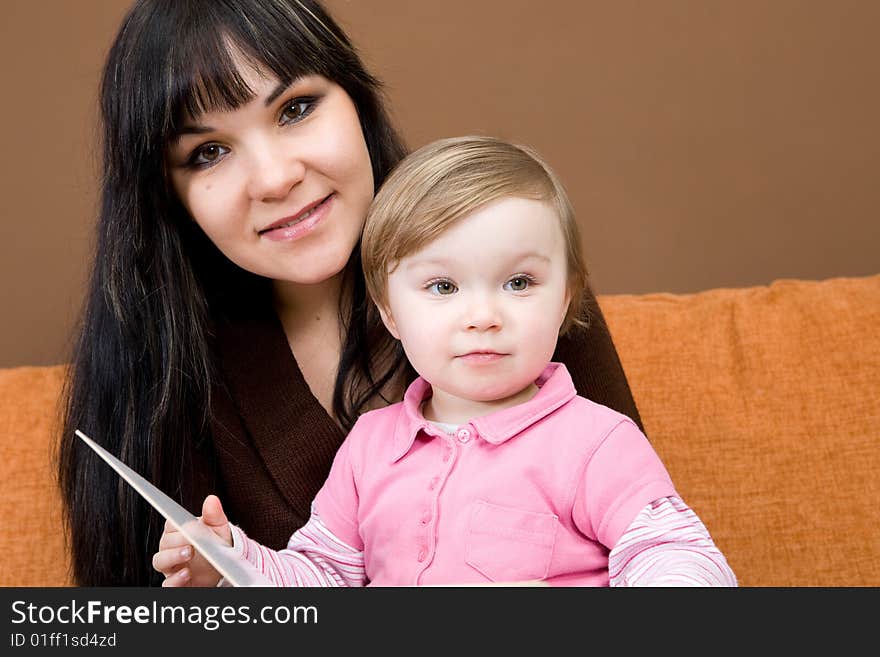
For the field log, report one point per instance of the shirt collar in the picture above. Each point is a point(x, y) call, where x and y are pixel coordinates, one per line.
point(555, 390)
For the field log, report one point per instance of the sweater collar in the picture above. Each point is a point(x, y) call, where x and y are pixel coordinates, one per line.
point(289, 429)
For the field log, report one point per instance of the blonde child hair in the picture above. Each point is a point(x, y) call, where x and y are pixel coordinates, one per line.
point(441, 183)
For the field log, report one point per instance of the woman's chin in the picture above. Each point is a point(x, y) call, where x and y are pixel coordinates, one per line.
point(313, 271)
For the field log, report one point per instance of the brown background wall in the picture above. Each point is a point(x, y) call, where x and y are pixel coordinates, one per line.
point(704, 143)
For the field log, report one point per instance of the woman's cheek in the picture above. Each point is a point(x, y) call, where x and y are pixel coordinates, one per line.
point(217, 210)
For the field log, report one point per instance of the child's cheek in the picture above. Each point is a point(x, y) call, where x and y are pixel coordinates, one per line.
point(426, 346)
point(541, 337)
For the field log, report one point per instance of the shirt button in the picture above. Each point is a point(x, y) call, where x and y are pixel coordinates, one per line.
point(433, 484)
point(463, 435)
point(426, 519)
point(422, 555)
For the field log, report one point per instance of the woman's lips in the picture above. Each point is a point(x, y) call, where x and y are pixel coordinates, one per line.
point(302, 227)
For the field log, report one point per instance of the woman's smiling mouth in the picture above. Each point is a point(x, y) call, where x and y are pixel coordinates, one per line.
point(299, 225)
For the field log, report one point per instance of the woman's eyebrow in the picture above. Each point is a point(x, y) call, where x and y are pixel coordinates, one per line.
point(277, 91)
point(191, 130)
point(284, 86)
point(195, 129)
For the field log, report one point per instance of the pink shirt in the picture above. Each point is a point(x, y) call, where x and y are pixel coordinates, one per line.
point(542, 490)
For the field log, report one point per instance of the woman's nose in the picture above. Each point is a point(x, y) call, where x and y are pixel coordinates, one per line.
point(273, 173)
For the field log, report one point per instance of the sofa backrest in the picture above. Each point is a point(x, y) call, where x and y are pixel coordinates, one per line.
point(763, 402)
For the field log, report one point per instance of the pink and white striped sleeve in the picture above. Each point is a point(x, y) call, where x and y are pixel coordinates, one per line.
point(668, 545)
point(314, 556)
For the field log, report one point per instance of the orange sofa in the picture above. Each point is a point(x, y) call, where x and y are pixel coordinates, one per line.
point(763, 402)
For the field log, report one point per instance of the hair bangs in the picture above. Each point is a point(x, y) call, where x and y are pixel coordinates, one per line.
point(203, 75)
point(202, 81)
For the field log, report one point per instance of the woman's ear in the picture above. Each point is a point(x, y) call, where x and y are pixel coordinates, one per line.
point(388, 320)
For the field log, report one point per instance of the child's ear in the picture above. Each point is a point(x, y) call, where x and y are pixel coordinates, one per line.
point(388, 321)
point(565, 306)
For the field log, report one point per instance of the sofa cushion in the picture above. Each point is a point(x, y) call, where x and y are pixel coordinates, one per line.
point(32, 542)
point(764, 403)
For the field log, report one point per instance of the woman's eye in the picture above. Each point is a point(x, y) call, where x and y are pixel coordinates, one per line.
point(442, 287)
point(207, 155)
point(296, 110)
point(518, 284)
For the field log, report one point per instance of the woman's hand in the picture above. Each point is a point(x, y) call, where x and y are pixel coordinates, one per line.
point(179, 562)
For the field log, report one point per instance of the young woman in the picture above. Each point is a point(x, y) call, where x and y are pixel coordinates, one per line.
point(227, 343)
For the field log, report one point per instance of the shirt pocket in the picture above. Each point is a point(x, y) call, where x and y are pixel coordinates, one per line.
point(510, 545)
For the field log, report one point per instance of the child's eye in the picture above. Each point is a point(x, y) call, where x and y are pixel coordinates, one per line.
point(207, 155)
point(296, 110)
point(442, 287)
point(518, 283)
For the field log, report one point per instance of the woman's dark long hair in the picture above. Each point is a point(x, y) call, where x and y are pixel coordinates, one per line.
point(142, 372)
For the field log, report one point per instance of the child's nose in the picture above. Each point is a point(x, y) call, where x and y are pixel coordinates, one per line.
point(483, 314)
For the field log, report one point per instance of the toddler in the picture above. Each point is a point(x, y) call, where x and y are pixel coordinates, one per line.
point(492, 469)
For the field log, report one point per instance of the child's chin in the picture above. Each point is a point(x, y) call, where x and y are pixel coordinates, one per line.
point(498, 393)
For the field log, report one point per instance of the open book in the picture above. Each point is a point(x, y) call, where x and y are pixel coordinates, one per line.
point(236, 570)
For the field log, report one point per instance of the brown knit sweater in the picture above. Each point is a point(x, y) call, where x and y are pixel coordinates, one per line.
point(274, 443)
